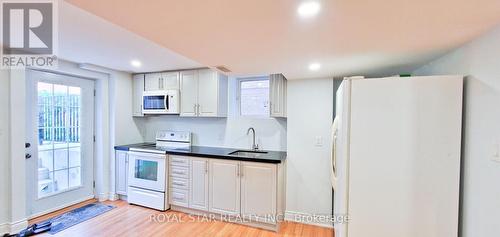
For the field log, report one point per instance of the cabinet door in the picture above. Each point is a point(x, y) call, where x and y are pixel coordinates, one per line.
point(258, 190)
point(208, 93)
point(277, 95)
point(153, 82)
point(189, 93)
point(138, 87)
point(170, 80)
point(199, 184)
point(121, 159)
point(224, 187)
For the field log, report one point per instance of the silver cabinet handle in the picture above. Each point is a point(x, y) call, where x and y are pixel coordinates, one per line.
point(206, 166)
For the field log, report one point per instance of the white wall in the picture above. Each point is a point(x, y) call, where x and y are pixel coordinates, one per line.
point(479, 61)
point(4, 150)
point(222, 132)
point(310, 115)
point(127, 129)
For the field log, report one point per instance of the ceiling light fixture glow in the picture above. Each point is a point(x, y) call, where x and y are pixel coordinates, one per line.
point(135, 63)
point(314, 66)
point(308, 9)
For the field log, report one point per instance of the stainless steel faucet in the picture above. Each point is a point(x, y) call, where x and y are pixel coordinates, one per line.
point(254, 146)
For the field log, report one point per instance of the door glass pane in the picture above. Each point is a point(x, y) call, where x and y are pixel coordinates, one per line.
point(59, 153)
point(146, 169)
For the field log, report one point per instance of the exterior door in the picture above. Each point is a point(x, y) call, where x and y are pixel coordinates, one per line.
point(60, 131)
point(224, 187)
point(199, 184)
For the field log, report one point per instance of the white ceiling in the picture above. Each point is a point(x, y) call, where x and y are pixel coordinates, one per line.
point(86, 38)
point(347, 37)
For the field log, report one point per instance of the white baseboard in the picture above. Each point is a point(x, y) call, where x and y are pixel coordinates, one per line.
point(17, 226)
point(4, 228)
point(305, 218)
point(60, 207)
point(103, 197)
point(14, 227)
point(113, 197)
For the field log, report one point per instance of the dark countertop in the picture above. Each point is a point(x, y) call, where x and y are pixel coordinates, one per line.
point(211, 152)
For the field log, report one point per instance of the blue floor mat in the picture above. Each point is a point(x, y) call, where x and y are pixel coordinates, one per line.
point(73, 217)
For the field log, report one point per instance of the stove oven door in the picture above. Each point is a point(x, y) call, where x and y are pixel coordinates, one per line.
point(147, 171)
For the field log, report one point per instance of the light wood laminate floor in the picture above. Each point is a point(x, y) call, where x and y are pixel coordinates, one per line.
point(131, 220)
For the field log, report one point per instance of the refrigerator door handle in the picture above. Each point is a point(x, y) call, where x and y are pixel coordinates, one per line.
point(333, 155)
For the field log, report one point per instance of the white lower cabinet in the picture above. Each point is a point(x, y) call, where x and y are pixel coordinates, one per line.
point(258, 191)
point(199, 184)
point(224, 187)
point(228, 187)
point(179, 181)
point(121, 172)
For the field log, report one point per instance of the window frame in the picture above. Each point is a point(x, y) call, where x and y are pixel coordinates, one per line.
point(238, 96)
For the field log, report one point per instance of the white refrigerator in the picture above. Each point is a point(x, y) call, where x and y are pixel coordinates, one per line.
point(396, 156)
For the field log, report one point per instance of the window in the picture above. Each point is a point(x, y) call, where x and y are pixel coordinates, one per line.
point(59, 155)
point(254, 97)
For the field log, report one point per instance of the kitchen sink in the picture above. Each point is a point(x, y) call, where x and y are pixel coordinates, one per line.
point(248, 153)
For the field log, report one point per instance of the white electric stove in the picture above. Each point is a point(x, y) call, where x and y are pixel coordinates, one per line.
point(148, 169)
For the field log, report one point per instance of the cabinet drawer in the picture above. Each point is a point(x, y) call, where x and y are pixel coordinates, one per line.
point(146, 198)
point(179, 183)
point(180, 172)
point(179, 161)
point(179, 197)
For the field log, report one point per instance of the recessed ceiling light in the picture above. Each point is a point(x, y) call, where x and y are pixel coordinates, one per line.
point(136, 63)
point(308, 9)
point(314, 66)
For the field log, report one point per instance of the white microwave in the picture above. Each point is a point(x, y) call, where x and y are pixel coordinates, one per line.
point(160, 102)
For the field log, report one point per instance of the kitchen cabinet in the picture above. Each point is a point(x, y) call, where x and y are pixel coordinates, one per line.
point(203, 93)
point(277, 95)
point(138, 88)
point(189, 93)
point(121, 171)
point(258, 190)
point(199, 184)
point(161, 81)
point(224, 187)
point(179, 180)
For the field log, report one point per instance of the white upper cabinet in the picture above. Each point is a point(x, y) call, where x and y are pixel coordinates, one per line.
point(224, 187)
point(259, 190)
point(170, 80)
point(138, 89)
point(203, 93)
point(152, 82)
point(277, 95)
point(189, 93)
point(161, 81)
point(199, 184)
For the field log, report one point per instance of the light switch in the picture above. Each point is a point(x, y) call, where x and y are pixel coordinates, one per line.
point(496, 152)
point(319, 141)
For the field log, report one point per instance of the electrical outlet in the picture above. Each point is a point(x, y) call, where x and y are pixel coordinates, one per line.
point(319, 141)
